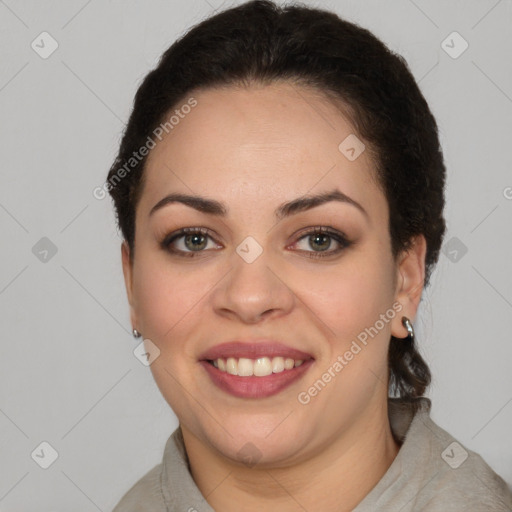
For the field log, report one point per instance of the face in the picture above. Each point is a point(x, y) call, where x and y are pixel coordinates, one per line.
point(314, 283)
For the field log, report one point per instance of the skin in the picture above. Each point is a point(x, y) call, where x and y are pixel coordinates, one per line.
point(254, 149)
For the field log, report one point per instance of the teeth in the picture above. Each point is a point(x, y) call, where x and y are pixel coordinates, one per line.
point(277, 364)
point(232, 366)
point(260, 367)
point(245, 367)
point(289, 363)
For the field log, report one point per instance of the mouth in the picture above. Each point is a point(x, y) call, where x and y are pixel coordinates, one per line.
point(260, 367)
point(255, 370)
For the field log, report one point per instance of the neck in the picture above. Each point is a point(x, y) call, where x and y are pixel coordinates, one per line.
point(334, 478)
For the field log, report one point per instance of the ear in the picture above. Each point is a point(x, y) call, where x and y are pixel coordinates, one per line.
point(128, 281)
point(410, 280)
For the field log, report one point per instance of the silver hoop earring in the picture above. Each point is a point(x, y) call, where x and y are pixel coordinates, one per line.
point(408, 325)
point(136, 334)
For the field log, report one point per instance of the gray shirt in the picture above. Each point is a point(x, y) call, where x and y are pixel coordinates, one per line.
point(431, 473)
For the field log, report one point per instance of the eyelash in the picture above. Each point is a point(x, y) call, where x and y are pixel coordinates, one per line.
point(336, 235)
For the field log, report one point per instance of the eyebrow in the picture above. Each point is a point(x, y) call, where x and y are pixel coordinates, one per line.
point(213, 207)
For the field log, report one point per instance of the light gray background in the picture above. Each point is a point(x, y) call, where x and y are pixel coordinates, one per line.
point(68, 374)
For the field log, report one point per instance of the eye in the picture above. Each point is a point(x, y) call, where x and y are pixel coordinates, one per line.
point(321, 238)
point(187, 241)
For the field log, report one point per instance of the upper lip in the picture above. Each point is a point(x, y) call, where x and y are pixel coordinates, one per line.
point(253, 349)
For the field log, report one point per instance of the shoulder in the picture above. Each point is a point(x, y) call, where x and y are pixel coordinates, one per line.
point(145, 494)
point(456, 477)
point(433, 471)
point(472, 486)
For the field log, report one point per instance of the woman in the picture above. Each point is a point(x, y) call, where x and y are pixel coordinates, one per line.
point(280, 192)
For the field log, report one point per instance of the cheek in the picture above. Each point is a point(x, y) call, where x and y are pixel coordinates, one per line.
point(167, 295)
point(345, 297)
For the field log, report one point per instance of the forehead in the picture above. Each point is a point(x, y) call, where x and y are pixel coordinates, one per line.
point(267, 140)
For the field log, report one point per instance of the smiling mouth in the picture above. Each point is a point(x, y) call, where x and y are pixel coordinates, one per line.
point(255, 378)
point(259, 367)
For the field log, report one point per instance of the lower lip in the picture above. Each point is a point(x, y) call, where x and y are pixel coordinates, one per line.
point(255, 387)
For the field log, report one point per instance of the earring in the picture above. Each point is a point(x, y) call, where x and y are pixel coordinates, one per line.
point(136, 334)
point(408, 325)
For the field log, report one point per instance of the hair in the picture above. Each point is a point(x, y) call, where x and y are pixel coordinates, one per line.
point(259, 42)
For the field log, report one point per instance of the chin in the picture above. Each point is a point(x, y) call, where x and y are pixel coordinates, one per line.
point(261, 442)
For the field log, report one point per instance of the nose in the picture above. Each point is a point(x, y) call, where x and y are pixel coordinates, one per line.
point(253, 290)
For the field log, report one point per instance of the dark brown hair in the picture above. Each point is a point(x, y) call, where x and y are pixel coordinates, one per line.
point(261, 42)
